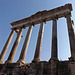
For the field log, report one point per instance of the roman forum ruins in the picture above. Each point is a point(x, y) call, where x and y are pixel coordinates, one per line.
point(37, 67)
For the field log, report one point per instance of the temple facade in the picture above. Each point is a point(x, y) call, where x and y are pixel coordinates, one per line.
point(37, 67)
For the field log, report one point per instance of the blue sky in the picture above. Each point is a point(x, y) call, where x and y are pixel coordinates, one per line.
point(13, 10)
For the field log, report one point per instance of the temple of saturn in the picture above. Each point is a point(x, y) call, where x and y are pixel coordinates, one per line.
point(54, 66)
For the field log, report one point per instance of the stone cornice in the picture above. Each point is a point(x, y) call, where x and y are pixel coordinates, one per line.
point(43, 15)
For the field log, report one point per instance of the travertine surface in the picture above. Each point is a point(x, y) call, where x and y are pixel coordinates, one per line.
point(46, 15)
point(39, 68)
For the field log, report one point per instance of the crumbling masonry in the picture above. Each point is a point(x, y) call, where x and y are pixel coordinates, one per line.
point(37, 67)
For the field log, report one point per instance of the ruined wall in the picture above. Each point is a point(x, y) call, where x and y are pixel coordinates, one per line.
point(39, 68)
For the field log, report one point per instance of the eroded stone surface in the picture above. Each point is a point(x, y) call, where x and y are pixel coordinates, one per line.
point(39, 68)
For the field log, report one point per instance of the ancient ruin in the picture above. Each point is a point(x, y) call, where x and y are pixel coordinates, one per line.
point(37, 67)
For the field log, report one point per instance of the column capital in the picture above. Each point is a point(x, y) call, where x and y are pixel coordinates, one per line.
point(43, 20)
point(55, 18)
point(69, 14)
point(23, 26)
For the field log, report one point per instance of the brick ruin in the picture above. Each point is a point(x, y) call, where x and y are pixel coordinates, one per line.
point(37, 67)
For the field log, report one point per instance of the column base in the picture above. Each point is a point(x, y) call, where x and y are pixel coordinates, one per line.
point(1, 62)
point(21, 61)
point(55, 59)
point(36, 60)
point(8, 61)
point(71, 59)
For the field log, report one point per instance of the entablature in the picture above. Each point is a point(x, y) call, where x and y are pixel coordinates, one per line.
point(43, 15)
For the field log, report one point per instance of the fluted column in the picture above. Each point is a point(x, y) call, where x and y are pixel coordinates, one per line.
point(71, 36)
point(54, 54)
point(25, 45)
point(15, 46)
point(39, 43)
point(2, 55)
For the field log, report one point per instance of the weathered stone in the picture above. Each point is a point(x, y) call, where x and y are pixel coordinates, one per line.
point(15, 46)
point(40, 68)
point(25, 46)
point(46, 15)
point(54, 51)
point(2, 55)
point(37, 67)
point(39, 43)
point(71, 36)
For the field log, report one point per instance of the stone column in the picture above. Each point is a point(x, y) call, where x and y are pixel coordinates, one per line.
point(25, 45)
point(15, 46)
point(54, 54)
point(39, 43)
point(71, 36)
point(6, 46)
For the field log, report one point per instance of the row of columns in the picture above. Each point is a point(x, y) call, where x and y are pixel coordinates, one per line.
point(15, 46)
point(25, 46)
point(54, 55)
